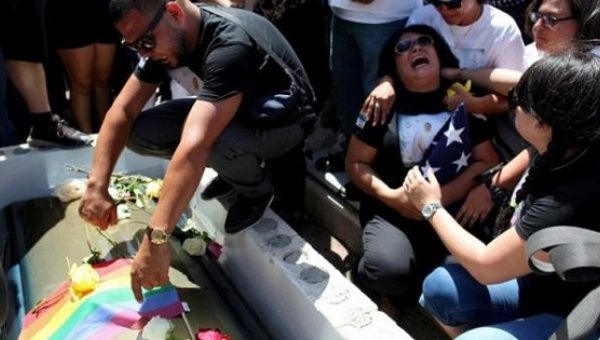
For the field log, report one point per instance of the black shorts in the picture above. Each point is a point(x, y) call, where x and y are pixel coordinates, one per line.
point(78, 23)
point(21, 30)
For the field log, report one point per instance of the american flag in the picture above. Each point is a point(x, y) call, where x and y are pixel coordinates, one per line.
point(449, 153)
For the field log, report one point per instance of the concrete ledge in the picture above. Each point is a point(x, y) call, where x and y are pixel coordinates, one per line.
point(295, 292)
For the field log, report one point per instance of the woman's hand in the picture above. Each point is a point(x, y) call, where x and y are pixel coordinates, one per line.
point(404, 206)
point(378, 104)
point(477, 206)
point(421, 191)
point(461, 96)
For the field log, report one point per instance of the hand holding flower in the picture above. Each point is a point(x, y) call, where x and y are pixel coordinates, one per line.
point(421, 191)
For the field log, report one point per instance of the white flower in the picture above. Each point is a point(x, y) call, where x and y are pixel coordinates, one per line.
point(194, 246)
point(114, 193)
point(123, 211)
point(157, 329)
point(70, 189)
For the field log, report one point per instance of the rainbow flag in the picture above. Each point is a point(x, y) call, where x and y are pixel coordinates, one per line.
point(109, 312)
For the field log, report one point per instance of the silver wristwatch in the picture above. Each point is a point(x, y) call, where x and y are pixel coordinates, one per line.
point(430, 209)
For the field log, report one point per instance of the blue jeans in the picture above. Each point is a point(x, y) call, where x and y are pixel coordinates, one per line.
point(455, 298)
point(355, 50)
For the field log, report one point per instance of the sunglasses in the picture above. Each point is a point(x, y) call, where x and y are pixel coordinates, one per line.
point(405, 45)
point(146, 42)
point(547, 19)
point(452, 4)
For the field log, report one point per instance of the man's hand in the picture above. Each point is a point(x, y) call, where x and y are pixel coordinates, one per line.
point(378, 104)
point(98, 208)
point(476, 207)
point(150, 268)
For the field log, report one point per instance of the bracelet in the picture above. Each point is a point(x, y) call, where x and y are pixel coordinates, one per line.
point(499, 195)
point(488, 174)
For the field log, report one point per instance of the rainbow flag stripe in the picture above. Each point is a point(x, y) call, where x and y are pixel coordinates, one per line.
point(108, 312)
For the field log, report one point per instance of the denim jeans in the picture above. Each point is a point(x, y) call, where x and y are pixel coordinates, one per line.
point(355, 50)
point(455, 298)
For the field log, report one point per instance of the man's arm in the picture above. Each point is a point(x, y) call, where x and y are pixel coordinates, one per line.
point(96, 205)
point(205, 123)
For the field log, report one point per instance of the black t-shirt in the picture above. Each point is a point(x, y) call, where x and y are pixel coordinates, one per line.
point(568, 197)
point(229, 61)
point(388, 163)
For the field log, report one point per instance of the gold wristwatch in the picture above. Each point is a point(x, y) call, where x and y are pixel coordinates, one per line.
point(156, 235)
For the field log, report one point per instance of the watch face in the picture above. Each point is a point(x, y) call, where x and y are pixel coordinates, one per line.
point(427, 211)
point(158, 236)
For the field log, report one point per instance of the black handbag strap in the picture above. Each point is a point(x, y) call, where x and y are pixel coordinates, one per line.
point(260, 40)
point(575, 256)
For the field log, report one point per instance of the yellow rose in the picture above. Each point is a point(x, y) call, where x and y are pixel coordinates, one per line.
point(84, 279)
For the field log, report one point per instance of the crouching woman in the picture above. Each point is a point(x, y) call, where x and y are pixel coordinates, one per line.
point(492, 289)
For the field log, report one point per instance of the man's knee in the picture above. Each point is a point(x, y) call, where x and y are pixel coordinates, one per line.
point(148, 138)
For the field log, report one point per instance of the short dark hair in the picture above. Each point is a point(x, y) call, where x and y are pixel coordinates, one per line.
point(118, 8)
point(561, 91)
point(387, 59)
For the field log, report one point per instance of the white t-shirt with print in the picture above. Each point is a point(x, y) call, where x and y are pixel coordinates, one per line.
point(416, 133)
point(376, 12)
point(493, 41)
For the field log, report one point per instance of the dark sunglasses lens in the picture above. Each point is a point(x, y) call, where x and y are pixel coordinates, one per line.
point(403, 46)
point(450, 4)
point(424, 41)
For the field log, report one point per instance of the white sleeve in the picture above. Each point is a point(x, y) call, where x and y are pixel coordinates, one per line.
point(420, 16)
point(509, 50)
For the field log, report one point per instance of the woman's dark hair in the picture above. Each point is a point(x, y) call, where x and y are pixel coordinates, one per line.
point(562, 91)
point(387, 58)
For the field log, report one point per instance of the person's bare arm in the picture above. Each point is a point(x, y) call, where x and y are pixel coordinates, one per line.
point(498, 80)
point(205, 123)
point(203, 126)
point(96, 205)
point(359, 158)
point(503, 259)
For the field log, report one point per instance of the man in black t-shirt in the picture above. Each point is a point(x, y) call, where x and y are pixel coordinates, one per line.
point(252, 100)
